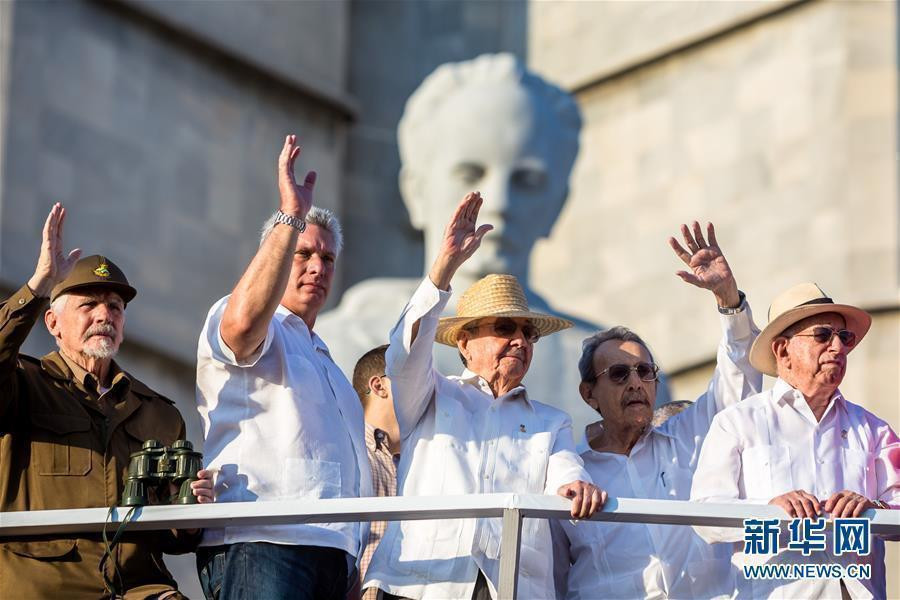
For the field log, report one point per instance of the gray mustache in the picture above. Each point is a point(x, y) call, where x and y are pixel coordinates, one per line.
point(108, 330)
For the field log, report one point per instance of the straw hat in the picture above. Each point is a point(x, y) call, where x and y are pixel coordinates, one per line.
point(793, 305)
point(495, 296)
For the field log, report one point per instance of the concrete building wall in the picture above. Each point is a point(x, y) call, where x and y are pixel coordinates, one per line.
point(783, 133)
point(162, 148)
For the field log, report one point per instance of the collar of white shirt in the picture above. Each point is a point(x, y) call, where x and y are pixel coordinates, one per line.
point(286, 316)
point(592, 430)
point(784, 394)
point(481, 383)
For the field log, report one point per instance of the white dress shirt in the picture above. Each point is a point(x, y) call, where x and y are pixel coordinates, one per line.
point(642, 560)
point(459, 439)
point(284, 424)
point(771, 444)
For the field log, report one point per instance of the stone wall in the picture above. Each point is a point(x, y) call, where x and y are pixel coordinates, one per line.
point(782, 133)
point(163, 150)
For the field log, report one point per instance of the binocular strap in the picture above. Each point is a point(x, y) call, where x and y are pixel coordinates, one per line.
point(113, 586)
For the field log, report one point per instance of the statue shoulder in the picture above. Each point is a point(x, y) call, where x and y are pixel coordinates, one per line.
point(582, 327)
point(384, 296)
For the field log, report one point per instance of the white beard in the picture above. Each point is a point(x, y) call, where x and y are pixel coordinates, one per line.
point(100, 347)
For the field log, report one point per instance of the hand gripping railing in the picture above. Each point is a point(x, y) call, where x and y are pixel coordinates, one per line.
point(512, 508)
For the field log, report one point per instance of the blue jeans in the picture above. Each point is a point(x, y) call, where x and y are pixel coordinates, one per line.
point(259, 570)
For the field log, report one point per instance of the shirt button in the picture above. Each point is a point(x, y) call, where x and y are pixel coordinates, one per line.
point(21, 300)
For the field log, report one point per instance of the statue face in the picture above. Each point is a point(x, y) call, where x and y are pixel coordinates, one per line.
point(497, 139)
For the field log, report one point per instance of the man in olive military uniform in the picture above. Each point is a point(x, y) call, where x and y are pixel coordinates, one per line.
point(68, 423)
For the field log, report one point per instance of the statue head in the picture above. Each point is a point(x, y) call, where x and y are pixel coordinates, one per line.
point(489, 125)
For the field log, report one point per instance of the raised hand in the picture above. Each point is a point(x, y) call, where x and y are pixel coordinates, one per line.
point(461, 240)
point(709, 269)
point(295, 199)
point(53, 263)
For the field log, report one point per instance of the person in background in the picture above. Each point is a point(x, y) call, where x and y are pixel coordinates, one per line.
point(669, 410)
point(382, 440)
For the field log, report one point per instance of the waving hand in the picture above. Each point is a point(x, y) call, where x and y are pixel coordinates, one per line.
point(295, 199)
point(461, 240)
point(54, 264)
point(709, 269)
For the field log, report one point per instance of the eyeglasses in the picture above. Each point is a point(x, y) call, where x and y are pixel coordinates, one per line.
point(620, 373)
point(507, 328)
point(823, 335)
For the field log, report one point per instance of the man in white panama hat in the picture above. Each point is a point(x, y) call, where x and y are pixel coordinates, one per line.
point(802, 446)
point(476, 433)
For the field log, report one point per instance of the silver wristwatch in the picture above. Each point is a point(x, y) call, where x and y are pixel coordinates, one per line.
point(736, 309)
point(298, 224)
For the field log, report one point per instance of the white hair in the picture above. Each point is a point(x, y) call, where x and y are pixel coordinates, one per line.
point(59, 305)
point(317, 215)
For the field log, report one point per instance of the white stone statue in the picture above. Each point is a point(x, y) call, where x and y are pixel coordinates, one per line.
point(488, 125)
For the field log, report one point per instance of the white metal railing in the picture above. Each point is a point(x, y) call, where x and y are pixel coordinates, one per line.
point(512, 508)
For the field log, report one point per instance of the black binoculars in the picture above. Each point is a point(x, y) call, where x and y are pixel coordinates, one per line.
point(155, 466)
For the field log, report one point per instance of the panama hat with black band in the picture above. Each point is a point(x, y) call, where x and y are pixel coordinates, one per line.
point(792, 306)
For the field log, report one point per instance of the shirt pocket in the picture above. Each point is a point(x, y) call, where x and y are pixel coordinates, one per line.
point(141, 427)
point(308, 478)
point(61, 444)
point(427, 549)
point(711, 578)
point(766, 471)
point(530, 464)
point(856, 473)
point(675, 483)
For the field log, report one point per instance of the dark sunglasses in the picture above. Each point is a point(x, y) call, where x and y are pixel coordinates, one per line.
point(506, 328)
point(620, 373)
point(823, 335)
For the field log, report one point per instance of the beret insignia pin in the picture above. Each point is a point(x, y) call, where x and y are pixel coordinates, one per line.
point(102, 270)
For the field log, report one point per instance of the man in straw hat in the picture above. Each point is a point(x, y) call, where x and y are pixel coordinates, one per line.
point(68, 424)
point(629, 457)
point(802, 446)
point(476, 433)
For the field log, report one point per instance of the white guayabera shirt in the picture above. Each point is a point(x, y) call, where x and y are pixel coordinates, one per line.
point(641, 560)
point(771, 444)
point(282, 425)
point(459, 439)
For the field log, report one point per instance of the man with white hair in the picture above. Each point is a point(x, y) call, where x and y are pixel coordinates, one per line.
point(280, 418)
point(803, 447)
point(68, 425)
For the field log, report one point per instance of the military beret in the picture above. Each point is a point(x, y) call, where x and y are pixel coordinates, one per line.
point(95, 271)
